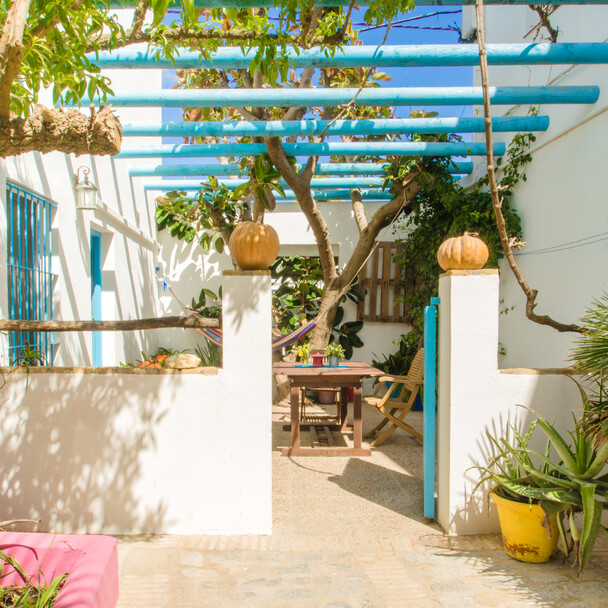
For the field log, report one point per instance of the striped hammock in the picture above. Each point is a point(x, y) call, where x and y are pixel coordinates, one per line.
point(216, 335)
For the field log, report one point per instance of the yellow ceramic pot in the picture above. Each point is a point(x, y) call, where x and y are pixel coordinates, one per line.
point(523, 534)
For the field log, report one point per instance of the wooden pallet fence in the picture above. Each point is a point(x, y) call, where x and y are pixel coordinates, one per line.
point(381, 281)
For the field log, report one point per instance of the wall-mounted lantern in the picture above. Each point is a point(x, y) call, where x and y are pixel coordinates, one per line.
point(85, 191)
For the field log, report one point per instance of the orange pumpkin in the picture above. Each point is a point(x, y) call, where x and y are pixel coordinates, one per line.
point(254, 246)
point(466, 252)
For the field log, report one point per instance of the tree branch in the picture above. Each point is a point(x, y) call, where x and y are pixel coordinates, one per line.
point(383, 217)
point(309, 22)
point(544, 13)
point(139, 17)
point(192, 35)
point(308, 171)
point(245, 113)
point(11, 51)
point(358, 209)
point(307, 204)
point(192, 322)
point(305, 80)
point(496, 198)
point(347, 19)
point(69, 131)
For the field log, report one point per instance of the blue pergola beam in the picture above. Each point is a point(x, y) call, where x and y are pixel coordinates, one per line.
point(315, 149)
point(334, 3)
point(315, 182)
point(236, 128)
point(381, 96)
point(387, 56)
point(207, 169)
point(182, 170)
point(366, 193)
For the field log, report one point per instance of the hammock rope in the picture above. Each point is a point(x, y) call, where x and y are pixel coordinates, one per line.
point(216, 336)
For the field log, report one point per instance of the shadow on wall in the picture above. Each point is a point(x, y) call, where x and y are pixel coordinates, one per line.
point(241, 306)
point(553, 396)
point(72, 462)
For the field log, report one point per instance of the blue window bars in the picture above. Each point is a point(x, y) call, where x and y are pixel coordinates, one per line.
point(30, 279)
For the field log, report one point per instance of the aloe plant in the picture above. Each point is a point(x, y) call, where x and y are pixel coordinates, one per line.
point(566, 479)
point(28, 595)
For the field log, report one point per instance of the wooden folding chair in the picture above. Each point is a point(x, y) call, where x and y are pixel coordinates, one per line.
point(395, 393)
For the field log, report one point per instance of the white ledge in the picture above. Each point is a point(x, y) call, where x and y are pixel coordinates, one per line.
point(108, 370)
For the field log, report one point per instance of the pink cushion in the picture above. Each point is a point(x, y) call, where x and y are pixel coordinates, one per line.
point(91, 562)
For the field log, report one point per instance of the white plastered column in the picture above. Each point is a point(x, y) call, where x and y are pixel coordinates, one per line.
point(247, 350)
point(468, 370)
point(476, 397)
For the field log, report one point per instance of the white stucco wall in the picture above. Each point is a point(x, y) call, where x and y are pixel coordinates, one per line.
point(125, 220)
point(475, 397)
point(135, 451)
point(563, 202)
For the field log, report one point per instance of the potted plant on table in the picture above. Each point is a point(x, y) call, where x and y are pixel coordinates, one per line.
point(334, 352)
point(541, 496)
point(303, 352)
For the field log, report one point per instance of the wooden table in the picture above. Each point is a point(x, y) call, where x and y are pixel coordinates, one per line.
point(348, 375)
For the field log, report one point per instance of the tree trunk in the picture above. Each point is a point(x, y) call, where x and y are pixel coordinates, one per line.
point(69, 131)
point(11, 51)
point(330, 301)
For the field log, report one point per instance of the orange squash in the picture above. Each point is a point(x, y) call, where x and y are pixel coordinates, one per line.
point(254, 246)
point(466, 252)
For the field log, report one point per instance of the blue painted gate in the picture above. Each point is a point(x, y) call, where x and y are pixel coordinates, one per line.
point(429, 403)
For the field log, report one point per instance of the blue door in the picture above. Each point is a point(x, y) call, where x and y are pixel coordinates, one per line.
point(96, 293)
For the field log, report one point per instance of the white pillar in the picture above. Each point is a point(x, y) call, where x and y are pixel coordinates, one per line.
point(467, 380)
point(247, 349)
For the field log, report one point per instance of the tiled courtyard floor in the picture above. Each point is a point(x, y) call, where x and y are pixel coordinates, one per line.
point(348, 533)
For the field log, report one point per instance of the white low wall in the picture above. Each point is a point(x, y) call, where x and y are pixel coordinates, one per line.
point(475, 397)
point(106, 450)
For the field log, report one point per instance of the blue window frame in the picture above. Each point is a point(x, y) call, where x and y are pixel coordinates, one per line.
point(30, 278)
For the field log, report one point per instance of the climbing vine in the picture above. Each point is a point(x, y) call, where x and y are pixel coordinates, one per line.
point(443, 209)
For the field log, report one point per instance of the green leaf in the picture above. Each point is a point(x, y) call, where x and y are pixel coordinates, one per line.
point(598, 463)
point(559, 443)
point(346, 345)
point(356, 341)
point(550, 507)
point(339, 316)
point(159, 8)
point(592, 515)
point(352, 326)
point(189, 10)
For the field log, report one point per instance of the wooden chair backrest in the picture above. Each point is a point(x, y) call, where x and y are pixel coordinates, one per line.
point(415, 373)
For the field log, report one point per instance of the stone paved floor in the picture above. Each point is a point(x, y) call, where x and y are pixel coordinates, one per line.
point(348, 533)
